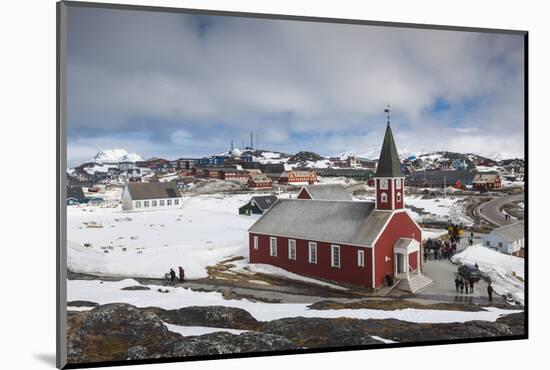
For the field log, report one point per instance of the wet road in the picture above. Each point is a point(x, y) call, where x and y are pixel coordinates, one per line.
point(490, 211)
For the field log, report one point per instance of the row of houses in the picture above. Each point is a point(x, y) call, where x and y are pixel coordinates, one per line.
point(459, 179)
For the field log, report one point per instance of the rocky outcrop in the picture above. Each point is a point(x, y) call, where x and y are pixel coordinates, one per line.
point(108, 332)
point(304, 157)
point(124, 332)
point(136, 287)
point(319, 332)
point(82, 304)
point(215, 316)
point(225, 343)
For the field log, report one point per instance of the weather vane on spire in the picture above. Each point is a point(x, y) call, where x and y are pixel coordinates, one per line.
point(387, 111)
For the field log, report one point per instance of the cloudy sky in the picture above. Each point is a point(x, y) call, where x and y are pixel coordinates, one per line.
point(175, 85)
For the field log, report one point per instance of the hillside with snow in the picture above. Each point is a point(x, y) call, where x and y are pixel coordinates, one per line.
point(115, 156)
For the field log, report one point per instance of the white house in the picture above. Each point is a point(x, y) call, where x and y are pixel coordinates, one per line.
point(507, 239)
point(148, 196)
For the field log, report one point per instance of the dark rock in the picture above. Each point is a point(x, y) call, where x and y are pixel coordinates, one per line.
point(108, 332)
point(216, 316)
point(304, 157)
point(136, 287)
point(137, 353)
point(319, 332)
point(82, 304)
point(223, 343)
point(515, 321)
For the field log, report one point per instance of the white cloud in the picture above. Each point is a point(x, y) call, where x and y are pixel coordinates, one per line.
point(280, 78)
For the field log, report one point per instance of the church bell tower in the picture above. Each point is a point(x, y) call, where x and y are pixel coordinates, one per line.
point(389, 180)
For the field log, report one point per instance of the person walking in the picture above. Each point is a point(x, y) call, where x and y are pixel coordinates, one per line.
point(490, 292)
point(182, 274)
point(461, 286)
point(472, 286)
point(457, 283)
point(466, 283)
point(425, 254)
point(172, 276)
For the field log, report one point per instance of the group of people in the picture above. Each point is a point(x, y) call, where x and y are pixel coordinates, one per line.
point(455, 232)
point(441, 250)
point(172, 274)
point(464, 285)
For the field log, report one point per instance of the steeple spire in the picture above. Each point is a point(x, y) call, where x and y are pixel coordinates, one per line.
point(387, 111)
point(388, 164)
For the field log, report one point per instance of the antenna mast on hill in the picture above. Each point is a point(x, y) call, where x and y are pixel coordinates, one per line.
point(251, 140)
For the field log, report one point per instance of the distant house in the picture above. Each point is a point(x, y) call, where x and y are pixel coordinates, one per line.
point(126, 166)
point(258, 205)
point(324, 192)
point(232, 174)
point(298, 177)
point(150, 196)
point(486, 181)
point(259, 181)
point(507, 239)
point(75, 195)
point(440, 178)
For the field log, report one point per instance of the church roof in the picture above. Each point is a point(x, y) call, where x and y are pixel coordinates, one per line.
point(328, 192)
point(388, 164)
point(345, 222)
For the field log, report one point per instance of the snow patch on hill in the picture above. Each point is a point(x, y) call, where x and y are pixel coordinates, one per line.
point(115, 156)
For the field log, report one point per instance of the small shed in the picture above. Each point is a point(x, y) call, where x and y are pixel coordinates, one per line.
point(258, 205)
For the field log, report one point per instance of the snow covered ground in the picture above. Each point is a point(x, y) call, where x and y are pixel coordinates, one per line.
point(337, 180)
point(277, 271)
point(450, 208)
point(206, 230)
point(177, 297)
point(199, 330)
point(505, 272)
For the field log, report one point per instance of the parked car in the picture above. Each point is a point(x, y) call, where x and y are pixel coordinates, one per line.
point(469, 272)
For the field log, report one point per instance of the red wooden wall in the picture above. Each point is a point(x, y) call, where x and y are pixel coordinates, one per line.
point(349, 271)
point(399, 226)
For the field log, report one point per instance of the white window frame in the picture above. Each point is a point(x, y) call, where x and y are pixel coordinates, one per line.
point(361, 258)
point(256, 242)
point(176, 202)
point(292, 249)
point(169, 202)
point(273, 246)
point(138, 204)
point(153, 203)
point(312, 246)
point(487, 243)
point(146, 204)
point(334, 248)
point(384, 197)
point(161, 203)
point(384, 184)
point(399, 196)
point(398, 183)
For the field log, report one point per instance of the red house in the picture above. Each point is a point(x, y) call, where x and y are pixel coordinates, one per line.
point(352, 242)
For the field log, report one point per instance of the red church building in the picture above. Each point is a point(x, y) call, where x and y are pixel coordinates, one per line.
point(352, 242)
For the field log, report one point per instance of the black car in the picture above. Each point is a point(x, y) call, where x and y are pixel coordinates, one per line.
point(469, 272)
